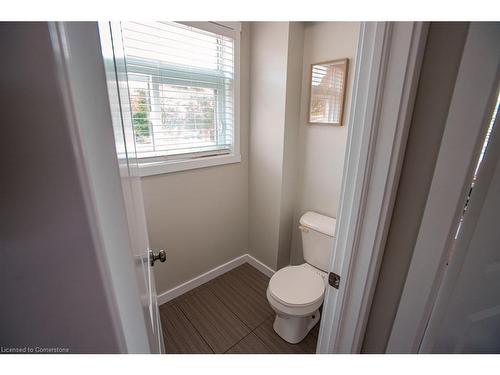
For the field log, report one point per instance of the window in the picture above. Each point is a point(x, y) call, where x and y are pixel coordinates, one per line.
point(182, 91)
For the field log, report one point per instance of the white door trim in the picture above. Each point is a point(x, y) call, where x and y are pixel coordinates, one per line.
point(462, 138)
point(388, 62)
point(82, 82)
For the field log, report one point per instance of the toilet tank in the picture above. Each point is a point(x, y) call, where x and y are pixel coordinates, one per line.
point(317, 239)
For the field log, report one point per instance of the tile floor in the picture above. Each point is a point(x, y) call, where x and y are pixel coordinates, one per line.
point(229, 314)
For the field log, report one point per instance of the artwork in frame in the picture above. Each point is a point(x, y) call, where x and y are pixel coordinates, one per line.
point(328, 88)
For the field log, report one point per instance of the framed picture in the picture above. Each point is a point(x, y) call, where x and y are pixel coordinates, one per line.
point(328, 87)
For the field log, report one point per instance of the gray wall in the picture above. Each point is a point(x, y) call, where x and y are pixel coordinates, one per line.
point(440, 65)
point(51, 288)
point(321, 148)
point(201, 216)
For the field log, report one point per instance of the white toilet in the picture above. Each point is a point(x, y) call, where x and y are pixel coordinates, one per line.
point(296, 292)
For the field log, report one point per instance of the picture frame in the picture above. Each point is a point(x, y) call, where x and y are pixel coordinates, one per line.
point(328, 86)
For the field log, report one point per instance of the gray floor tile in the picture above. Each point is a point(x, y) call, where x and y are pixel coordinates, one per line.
point(179, 334)
point(219, 327)
point(249, 345)
point(218, 317)
point(251, 307)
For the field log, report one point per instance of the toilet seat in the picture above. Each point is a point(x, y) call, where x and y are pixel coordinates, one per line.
point(297, 287)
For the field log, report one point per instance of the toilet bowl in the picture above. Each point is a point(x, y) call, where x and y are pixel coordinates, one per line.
point(296, 293)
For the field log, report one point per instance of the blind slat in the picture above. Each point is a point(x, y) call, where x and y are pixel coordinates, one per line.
point(198, 35)
point(135, 61)
point(204, 49)
point(180, 82)
point(178, 58)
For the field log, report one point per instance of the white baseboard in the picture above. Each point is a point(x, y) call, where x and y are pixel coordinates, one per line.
point(212, 274)
point(269, 272)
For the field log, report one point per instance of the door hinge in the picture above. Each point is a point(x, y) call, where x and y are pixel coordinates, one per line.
point(334, 280)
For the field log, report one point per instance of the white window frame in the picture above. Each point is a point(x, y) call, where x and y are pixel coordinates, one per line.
point(191, 161)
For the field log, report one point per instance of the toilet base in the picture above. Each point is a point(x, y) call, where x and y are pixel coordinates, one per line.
point(294, 329)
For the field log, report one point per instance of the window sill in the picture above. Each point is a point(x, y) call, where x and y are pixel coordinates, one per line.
point(171, 166)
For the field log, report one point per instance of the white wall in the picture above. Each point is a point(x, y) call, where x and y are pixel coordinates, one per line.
point(269, 48)
point(290, 178)
point(276, 65)
point(321, 148)
point(201, 216)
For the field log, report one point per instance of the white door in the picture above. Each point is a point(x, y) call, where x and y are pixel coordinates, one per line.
point(144, 258)
point(466, 317)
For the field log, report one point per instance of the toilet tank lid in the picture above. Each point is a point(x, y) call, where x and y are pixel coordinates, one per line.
point(319, 223)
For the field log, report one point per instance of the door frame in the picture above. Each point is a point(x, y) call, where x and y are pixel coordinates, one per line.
point(387, 68)
point(466, 125)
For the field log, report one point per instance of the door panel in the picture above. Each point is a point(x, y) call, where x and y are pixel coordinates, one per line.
point(131, 183)
point(466, 318)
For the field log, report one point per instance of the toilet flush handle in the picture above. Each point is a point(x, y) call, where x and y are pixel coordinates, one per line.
point(304, 229)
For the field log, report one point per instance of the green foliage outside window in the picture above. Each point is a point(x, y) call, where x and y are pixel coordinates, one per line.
point(140, 119)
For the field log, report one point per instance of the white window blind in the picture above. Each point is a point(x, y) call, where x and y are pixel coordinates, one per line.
point(181, 90)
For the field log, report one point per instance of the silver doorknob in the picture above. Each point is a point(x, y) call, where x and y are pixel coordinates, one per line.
point(161, 256)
